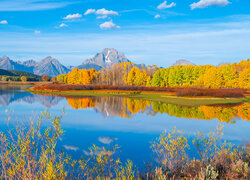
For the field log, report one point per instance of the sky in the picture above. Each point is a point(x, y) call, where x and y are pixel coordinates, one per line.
point(147, 31)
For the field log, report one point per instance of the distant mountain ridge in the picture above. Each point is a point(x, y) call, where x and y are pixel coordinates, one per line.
point(52, 67)
point(7, 64)
point(182, 62)
point(48, 66)
point(107, 58)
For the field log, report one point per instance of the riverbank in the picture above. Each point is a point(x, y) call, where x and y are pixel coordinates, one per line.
point(165, 97)
point(28, 83)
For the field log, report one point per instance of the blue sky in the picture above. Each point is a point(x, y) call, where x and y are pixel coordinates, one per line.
point(147, 31)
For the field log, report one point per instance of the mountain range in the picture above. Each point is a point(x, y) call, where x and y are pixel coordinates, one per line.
point(182, 62)
point(52, 67)
point(10, 94)
point(48, 65)
point(107, 58)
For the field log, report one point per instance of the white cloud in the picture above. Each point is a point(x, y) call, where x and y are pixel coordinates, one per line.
point(157, 16)
point(102, 17)
point(103, 11)
point(71, 148)
point(37, 32)
point(73, 16)
point(90, 11)
point(165, 6)
point(107, 140)
point(3, 22)
point(109, 25)
point(206, 3)
point(63, 25)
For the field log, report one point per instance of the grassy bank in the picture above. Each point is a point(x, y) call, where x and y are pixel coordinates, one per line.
point(28, 83)
point(145, 95)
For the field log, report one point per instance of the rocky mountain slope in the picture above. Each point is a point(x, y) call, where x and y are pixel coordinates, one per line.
point(7, 64)
point(182, 62)
point(107, 58)
point(48, 66)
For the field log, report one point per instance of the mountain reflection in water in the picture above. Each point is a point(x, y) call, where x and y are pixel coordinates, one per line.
point(9, 94)
point(127, 107)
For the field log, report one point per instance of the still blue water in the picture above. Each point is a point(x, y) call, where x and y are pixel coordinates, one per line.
point(106, 121)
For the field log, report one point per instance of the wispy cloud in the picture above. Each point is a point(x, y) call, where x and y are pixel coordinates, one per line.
point(62, 25)
point(3, 22)
point(157, 16)
point(32, 5)
point(37, 32)
point(107, 140)
point(73, 16)
point(90, 11)
point(153, 12)
point(101, 17)
point(207, 3)
point(71, 148)
point(109, 25)
point(164, 5)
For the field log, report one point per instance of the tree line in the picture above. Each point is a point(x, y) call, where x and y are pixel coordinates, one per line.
point(236, 75)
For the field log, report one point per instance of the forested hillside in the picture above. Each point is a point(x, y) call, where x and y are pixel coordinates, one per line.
point(16, 75)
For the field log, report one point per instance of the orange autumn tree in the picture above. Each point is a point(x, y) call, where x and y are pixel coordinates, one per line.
point(81, 77)
point(202, 76)
point(45, 78)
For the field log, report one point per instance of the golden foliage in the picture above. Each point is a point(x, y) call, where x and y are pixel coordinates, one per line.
point(235, 75)
point(23, 79)
point(81, 103)
point(83, 77)
point(126, 107)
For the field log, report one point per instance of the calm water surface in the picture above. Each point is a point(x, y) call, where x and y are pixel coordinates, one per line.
point(130, 123)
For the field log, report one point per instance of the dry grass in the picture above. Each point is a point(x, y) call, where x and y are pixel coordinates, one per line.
point(65, 87)
point(219, 93)
point(181, 92)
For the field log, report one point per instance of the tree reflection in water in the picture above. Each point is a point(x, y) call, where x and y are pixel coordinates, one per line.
point(127, 107)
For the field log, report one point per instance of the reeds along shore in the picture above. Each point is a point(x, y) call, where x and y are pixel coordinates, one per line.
point(181, 92)
point(30, 152)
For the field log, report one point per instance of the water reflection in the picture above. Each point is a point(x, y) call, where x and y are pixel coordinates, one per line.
point(10, 94)
point(127, 107)
point(145, 120)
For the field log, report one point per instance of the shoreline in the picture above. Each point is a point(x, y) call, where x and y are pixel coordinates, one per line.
point(28, 83)
point(164, 97)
